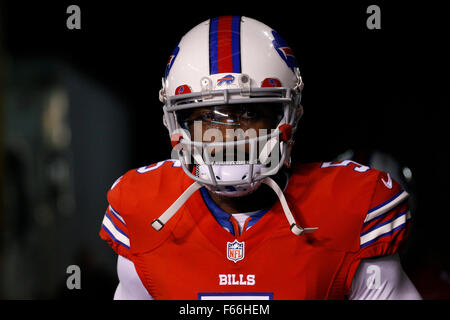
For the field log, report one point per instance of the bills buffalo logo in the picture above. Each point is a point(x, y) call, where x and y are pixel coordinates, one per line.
point(235, 251)
point(284, 51)
point(228, 79)
point(171, 60)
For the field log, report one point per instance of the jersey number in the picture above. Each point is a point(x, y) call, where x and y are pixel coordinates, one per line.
point(176, 163)
point(358, 167)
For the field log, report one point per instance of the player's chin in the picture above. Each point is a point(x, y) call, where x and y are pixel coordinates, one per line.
point(226, 157)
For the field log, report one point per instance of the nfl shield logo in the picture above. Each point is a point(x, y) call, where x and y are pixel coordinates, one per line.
point(235, 250)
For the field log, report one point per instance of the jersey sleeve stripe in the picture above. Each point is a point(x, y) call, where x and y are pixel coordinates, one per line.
point(380, 225)
point(116, 233)
point(386, 206)
point(116, 214)
point(393, 211)
point(385, 229)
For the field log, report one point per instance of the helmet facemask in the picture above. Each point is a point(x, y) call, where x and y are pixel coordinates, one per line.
point(228, 140)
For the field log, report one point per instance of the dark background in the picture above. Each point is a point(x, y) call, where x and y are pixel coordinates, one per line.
point(368, 91)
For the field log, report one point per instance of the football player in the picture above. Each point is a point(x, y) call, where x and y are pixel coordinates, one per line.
point(230, 217)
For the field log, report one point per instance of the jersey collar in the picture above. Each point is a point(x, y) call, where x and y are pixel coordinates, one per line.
point(222, 217)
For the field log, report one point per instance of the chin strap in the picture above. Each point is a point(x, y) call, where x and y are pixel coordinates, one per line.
point(295, 228)
point(159, 223)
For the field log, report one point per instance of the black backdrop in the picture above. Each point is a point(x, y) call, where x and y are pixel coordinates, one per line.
point(384, 89)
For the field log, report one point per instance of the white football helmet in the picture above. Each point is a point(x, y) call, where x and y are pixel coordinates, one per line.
point(232, 62)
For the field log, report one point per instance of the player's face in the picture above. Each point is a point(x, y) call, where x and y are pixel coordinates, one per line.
point(228, 123)
point(231, 122)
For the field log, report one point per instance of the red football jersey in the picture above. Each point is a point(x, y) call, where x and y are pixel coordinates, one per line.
point(360, 213)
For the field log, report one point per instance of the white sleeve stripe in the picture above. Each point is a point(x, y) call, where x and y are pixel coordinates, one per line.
point(386, 206)
point(385, 229)
point(116, 214)
point(115, 232)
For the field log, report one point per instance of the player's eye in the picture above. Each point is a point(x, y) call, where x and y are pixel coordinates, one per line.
point(207, 116)
point(248, 115)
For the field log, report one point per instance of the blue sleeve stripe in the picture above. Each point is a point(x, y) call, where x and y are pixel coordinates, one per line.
point(384, 235)
point(117, 215)
point(385, 229)
point(386, 202)
point(386, 206)
point(115, 232)
point(113, 237)
point(384, 223)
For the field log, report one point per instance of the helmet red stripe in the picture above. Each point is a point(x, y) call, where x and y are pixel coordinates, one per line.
point(225, 44)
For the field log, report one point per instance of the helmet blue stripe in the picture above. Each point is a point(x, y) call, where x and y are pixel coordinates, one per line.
point(236, 43)
point(213, 56)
